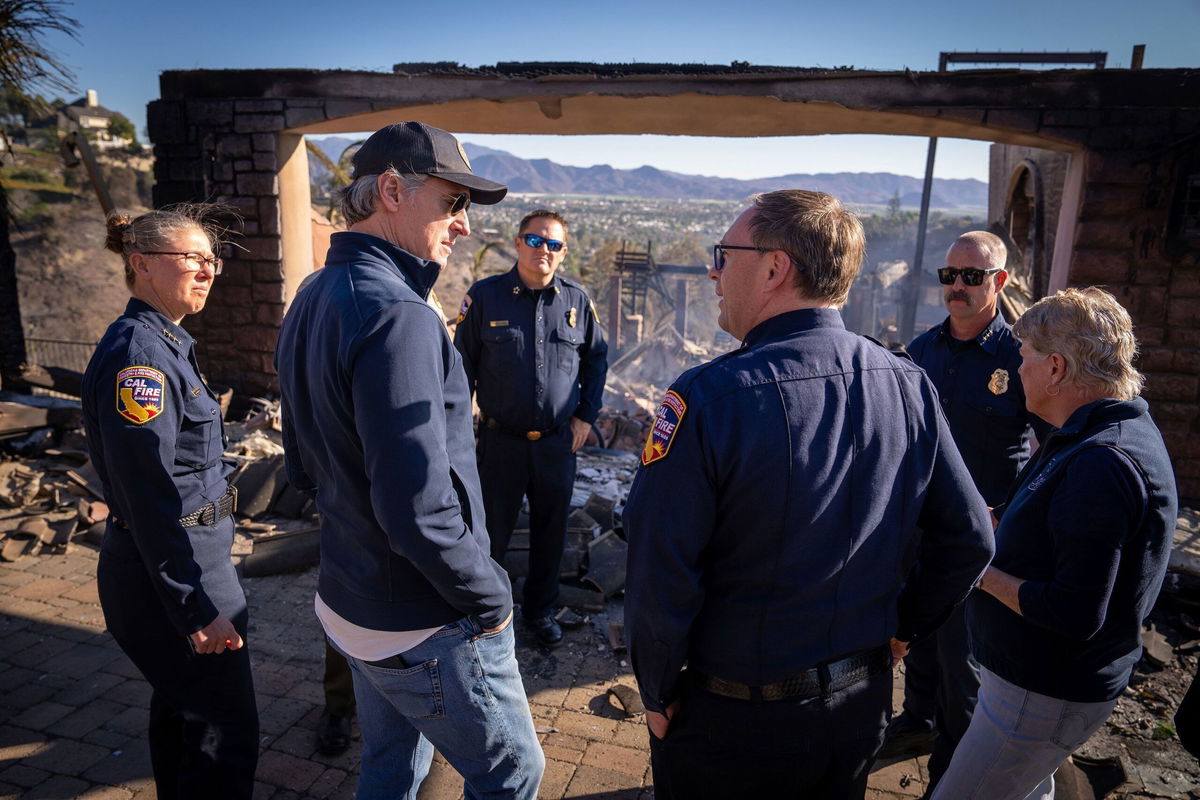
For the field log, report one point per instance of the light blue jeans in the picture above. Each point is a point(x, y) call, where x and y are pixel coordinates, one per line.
point(1015, 742)
point(459, 691)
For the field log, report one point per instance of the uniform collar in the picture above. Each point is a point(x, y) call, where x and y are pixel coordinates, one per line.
point(988, 338)
point(516, 285)
point(1100, 411)
point(793, 322)
point(418, 273)
point(168, 331)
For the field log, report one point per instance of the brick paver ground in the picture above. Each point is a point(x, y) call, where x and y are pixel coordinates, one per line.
point(73, 709)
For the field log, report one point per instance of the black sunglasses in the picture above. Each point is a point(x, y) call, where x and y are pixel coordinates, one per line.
point(535, 241)
point(719, 255)
point(458, 202)
point(970, 275)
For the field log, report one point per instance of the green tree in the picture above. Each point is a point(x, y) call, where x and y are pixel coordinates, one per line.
point(28, 71)
point(119, 127)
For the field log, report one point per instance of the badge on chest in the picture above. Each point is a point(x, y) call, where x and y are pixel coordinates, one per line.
point(998, 384)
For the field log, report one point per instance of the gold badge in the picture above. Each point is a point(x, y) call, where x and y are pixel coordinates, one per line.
point(497, 323)
point(999, 382)
point(571, 315)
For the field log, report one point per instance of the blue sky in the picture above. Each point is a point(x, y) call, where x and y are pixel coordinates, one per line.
point(125, 44)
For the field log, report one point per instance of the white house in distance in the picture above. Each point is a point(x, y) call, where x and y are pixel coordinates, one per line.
point(89, 115)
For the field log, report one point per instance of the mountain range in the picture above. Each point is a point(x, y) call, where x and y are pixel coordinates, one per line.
point(543, 176)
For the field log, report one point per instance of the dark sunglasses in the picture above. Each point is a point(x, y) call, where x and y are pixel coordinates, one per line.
point(719, 255)
point(458, 202)
point(970, 275)
point(535, 241)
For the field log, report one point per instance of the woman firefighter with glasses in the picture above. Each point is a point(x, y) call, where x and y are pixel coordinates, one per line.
point(169, 592)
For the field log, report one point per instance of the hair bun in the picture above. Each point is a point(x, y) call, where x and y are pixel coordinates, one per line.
point(120, 232)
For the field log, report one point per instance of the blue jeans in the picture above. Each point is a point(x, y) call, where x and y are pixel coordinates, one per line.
point(1015, 742)
point(459, 691)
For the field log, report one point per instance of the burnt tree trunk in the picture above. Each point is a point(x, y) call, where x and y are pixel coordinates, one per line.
point(12, 335)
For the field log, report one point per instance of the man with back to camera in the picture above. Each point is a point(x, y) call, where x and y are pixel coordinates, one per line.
point(535, 354)
point(377, 421)
point(972, 359)
point(773, 526)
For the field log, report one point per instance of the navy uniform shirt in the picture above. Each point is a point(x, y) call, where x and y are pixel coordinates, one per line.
point(534, 357)
point(772, 524)
point(981, 394)
point(377, 422)
point(156, 439)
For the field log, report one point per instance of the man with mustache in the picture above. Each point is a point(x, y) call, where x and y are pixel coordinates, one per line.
point(377, 424)
point(972, 359)
point(535, 354)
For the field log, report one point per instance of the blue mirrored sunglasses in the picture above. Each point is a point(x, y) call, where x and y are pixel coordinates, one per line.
point(535, 241)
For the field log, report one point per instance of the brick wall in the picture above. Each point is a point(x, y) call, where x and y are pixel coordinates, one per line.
point(224, 150)
point(1126, 241)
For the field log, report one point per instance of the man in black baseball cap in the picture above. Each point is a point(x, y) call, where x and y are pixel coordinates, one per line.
point(377, 421)
point(421, 149)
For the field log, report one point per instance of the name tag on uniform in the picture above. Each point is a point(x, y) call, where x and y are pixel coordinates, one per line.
point(497, 323)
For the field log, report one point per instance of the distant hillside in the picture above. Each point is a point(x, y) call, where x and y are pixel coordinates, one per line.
point(542, 176)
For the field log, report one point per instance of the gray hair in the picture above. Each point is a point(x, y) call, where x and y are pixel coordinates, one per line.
point(989, 245)
point(1094, 335)
point(154, 230)
point(356, 202)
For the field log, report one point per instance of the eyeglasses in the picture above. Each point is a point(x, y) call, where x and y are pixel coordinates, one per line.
point(458, 202)
point(535, 241)
point(719, 255)
point(970, 275)
point(193, 262)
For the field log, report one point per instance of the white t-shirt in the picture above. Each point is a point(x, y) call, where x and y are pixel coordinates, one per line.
point(366, 644)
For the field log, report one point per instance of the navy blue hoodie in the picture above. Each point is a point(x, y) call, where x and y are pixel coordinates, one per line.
point(377, 421)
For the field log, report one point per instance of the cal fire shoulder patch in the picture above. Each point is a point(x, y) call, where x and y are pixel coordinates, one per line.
point(140, 393)
point(662, 432)
point(462, 310)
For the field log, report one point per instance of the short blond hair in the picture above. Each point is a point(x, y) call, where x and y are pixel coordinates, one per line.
point(1094, 335)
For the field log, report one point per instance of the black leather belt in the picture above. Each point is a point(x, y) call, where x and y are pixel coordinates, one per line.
point(209, 514)
point(832, 676)
point(532, 436)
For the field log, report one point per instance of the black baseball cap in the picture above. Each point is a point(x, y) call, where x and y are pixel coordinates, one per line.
point(419, 149)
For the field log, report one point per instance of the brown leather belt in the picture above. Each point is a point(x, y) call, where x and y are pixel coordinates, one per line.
point(209, 514)
point(532, 436)
point(832, 676)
